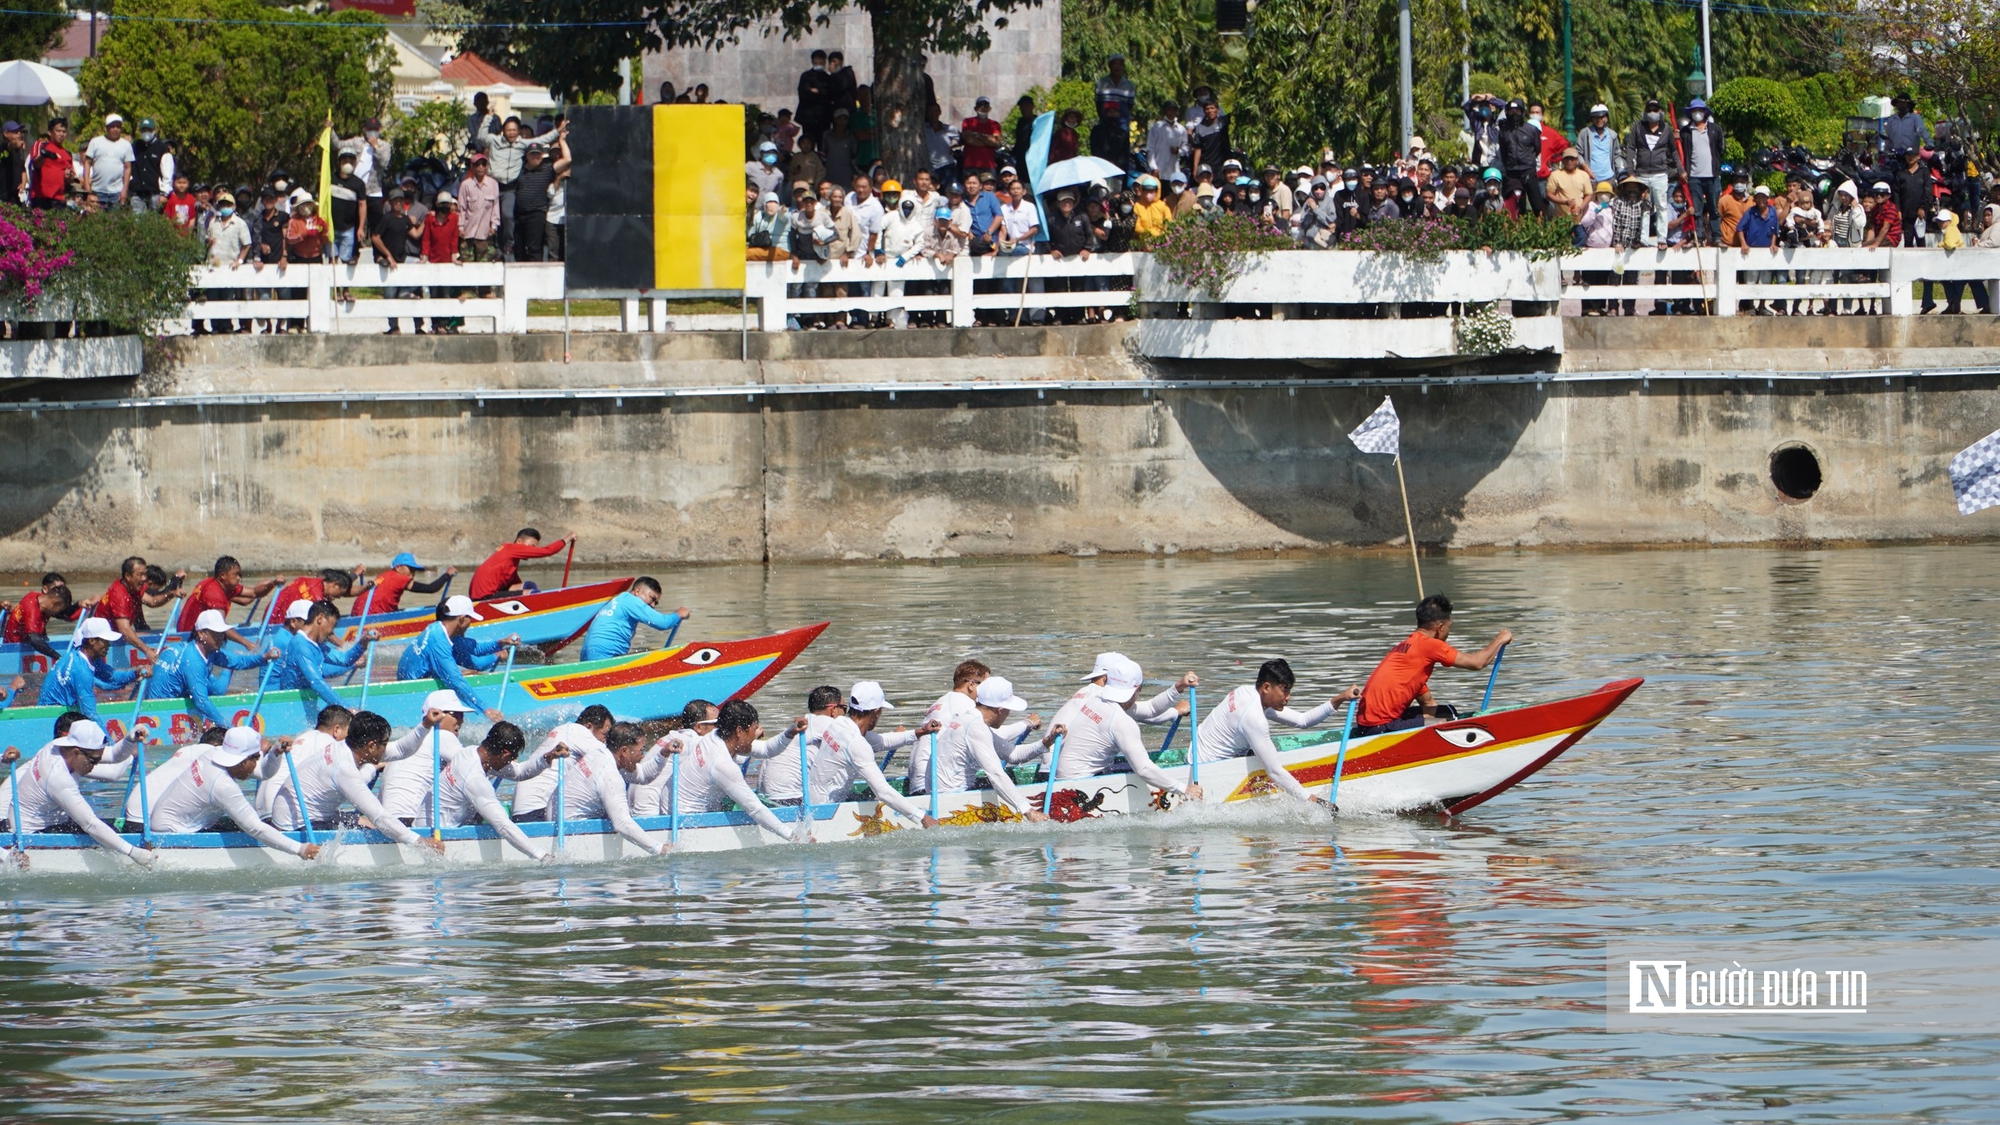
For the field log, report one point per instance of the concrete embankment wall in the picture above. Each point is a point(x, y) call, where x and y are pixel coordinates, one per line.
point(1060, 468)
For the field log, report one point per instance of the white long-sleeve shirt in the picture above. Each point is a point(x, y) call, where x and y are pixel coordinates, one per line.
point(465, 795)
point(1241, 724)
point(594, 789)
point(778, 779)
point(162, 776)
point(710, 778)
point(648, 794)
point(845, 754)
point(965, 746)
point(328, 776)
point(1099, 732)
point(406, 773)
point(205, 793)
point(949, 706)
point(534, 790)
point(49, 795)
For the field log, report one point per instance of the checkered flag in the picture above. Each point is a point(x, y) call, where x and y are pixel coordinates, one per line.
point(1975, 474)
point(1382, 431)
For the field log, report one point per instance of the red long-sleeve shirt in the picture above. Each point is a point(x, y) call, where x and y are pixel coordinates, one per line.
point(502, 568)
point(440, 236)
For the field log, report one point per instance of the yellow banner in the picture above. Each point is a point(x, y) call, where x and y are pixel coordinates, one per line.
point(698, 197)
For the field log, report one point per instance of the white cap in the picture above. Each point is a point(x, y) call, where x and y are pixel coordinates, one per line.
point(998, 693)
point(445, 699)
point(1122, 681)
point(113, 119)
point(238, 743)
point(300, 195)
point(84, 735)
point(299, 610)
point(458, 605)
point(867, 696)
point(96, 629)
point(1944, 216)
point(211, 621)
point(1102, 667)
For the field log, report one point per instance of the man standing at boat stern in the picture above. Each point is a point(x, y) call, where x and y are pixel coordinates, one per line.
point(1241, 724)
point(211, 790)
point(49, 800)
point(1398, 693)
point(611, 630)
point(1101, 731)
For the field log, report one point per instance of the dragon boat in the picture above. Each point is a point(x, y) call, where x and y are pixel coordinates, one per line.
point(550, 619)
point(1447, 770)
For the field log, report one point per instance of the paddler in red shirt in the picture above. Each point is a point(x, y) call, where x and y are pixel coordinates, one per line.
point(221, 590)
point(501, 572)
point(386, 595)
point(125, 603)
point(315, 588)
point(1398, 693)
point(28, 619)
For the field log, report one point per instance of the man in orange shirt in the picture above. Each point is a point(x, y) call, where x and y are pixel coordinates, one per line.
point(1398, 693)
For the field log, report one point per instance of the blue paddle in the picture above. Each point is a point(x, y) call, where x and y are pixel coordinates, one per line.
point(674, 802)
point(305, 822)
point(138, 705)
point(506, 678)
point(805, 784)
point(257, 704)
point(1194, 739)
point(145, 808)
point(560, 763)
point(361, 634)
point(437, 769)
point(14, 791)
point(1340, 761)
point(1491, 678)
point(932, 770)
point(1049, 791)
point(1173, 728)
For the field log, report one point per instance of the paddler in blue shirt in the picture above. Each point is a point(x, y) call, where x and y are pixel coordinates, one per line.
point(611, 630)
point(76, 679)
point(200, 667)
point(431, 656)
point(308, 658)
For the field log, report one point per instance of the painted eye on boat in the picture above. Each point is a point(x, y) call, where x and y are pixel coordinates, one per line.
point(703, 656)
point(1466, 737)
point(511, 609)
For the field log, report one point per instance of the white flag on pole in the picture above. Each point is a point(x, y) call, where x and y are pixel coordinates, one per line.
point(1380, 432)
point(1975, 474)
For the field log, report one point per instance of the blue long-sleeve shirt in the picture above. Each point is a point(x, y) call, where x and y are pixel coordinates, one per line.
point(430, 657)
point(76, 679)
point(185, 672)
point(306, 664)
point(480, 656)
point(611, 630)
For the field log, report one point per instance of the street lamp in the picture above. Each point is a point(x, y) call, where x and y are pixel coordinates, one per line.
point(1697, 83)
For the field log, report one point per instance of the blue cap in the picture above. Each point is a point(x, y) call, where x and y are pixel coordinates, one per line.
point(1697, 104)
point(406, 559)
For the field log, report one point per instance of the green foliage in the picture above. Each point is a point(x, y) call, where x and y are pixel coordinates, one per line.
point(1540, 240)
point(29, 36)
point(432, 127)
point(1758, 111)
point(239, 99)
point(128, 270)
point(1207, 250)
point(1425, 240)
point(1069, 93)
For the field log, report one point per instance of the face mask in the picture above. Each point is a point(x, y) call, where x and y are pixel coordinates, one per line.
point(1535, 117)
point(770, 158)
point(1351, 184)
point(225, 211)
point(1255, 196)
point(146, 134)
point(1653, 117)
point(1699, 115)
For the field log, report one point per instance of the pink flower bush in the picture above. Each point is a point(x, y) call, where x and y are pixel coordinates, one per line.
point(24, 266)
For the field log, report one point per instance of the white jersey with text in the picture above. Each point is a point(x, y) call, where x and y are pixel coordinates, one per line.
point(1241, 725)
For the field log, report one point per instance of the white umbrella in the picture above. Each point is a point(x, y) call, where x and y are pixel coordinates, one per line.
point(1077, 170)
point(30, 83)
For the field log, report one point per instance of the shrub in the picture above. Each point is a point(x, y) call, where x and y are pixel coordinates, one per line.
point(1758, 110)
point(1207, 250)
point(1069, 93)
point(432, 128)
point(129, 271)
point(1425, 240)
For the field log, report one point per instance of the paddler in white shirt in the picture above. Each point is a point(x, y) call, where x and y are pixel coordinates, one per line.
point(778, 780)
point(596, 782)
point(650, 798)
point(710, 777)
point(535, 792)
point(465, 789)
point(330, 760)
point(959, 702)
point(1101, 731)
point(1241, 724)
point(1160, 709)
point(49, 800)
point(211, 788)
point(965, 746)
point(846, 751)
point(164, 775)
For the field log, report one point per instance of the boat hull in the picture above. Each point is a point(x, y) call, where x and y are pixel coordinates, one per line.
point(551, 619)
point(641, 686)
point(1413, 771)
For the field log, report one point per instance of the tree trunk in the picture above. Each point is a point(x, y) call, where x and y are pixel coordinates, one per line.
point(900, 104)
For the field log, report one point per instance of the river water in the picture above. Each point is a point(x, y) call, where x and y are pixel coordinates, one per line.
point(1812, 755)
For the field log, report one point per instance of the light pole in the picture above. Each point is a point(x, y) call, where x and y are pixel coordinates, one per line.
point(1707, 59)
point(1569, 78)
point(1408, 98)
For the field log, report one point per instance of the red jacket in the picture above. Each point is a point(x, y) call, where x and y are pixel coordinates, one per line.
point(441, 237)
point(502, 568)
point(1554, 144)
point(309, 589)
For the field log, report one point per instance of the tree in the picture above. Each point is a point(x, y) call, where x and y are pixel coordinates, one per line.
point(31, 28)
point(238, 90)
point(1945, 51)
point(576, 46)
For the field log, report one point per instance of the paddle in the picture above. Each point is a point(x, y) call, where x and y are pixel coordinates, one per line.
point(305, 822)
point(14, 791)
point(265, 630)
point(674, 802)
point(1491, 677)
point(138, 705)
point(437, 768)
point(367, 677)
point(1340, 761)
point(445, 594)
point(560, 763)
point(1173, 729)
point(145, 810)
point(361, 634)
point(932, 771)
point(1055, 758)
point(1194, 739)
point(263, 682)
point(568, 559)
point(806, 786)
point(505, 677)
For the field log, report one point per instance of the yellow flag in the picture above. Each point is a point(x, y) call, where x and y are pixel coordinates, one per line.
point(325, 163)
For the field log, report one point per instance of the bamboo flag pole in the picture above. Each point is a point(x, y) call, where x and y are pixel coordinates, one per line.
point(1382, 432)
